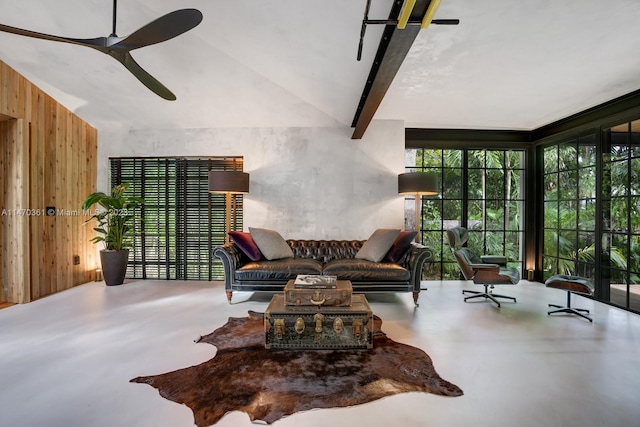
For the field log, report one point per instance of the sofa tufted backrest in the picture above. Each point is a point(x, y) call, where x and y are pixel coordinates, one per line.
point(325, 250)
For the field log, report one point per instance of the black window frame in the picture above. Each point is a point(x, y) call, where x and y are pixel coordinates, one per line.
point(454, 194)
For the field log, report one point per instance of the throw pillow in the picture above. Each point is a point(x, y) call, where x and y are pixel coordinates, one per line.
point(400, 246)
point(246, 244)
point(378, 244)
point(271, 243)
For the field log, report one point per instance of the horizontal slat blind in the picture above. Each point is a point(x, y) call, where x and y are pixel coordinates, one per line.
point(180, 222)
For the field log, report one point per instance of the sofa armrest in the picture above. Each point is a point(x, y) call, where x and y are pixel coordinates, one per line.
point(417, 255)
point(232, 259)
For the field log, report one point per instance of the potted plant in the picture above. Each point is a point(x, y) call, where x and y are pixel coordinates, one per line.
point(115, 223)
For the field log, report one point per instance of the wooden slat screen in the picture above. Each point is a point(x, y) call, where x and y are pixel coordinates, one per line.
point(180, 222)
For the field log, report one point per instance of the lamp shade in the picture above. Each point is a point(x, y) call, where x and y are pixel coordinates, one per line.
point(424, 183)
point(228, 182)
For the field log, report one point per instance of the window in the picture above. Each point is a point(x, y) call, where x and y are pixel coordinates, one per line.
point(481, 190)
point(180, 222)
point(570, 208)
point(620, 278)
point(592, 212)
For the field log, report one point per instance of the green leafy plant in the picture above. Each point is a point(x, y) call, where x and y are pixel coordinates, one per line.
point(115, 216)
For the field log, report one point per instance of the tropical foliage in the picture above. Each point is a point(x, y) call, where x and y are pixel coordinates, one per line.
point(490, 184)
point(492, 193)
point(571, 198)
point(115, 216)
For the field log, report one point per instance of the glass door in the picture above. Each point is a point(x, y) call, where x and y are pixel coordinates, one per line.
point(621, 215)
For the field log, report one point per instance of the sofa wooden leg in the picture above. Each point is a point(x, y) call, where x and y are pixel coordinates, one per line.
point(415, 298)
point(229, 294)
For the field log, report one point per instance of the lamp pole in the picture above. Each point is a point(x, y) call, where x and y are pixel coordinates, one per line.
point(418, 184)
point(228, 182)
point(227, 216)
point(418, 211)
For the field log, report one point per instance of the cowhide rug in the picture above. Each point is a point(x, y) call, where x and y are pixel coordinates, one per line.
point(271, 384)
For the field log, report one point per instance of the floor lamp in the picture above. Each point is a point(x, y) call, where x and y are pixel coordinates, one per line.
point(418, 184)
point(228, 182)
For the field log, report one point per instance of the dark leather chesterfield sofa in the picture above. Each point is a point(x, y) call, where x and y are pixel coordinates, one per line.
point(331, 257)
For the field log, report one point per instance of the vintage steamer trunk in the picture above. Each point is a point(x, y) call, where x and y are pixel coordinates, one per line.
point(339, 296)
point(320, 328)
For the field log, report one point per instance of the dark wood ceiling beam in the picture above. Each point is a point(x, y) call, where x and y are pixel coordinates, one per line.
point(392, 50)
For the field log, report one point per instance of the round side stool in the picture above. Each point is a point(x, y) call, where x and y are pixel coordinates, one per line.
point(571, 284)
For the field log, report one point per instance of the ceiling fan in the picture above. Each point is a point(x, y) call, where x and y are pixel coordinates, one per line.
point(162, 29)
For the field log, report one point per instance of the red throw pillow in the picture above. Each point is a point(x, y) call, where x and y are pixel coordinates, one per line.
point(246, 244)
point(400, 246)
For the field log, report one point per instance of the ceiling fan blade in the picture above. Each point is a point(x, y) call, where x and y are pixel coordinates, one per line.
point(145, 78)
point(164, 28)
point(97, 42)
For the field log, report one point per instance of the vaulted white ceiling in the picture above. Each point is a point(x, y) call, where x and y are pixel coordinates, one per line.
point(508, 65)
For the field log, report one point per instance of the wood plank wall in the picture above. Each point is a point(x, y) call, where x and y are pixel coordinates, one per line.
point(52, 157)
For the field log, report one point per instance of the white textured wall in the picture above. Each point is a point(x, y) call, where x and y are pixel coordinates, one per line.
point(313, 182)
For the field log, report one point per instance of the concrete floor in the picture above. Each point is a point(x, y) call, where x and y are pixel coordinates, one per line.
point(66, 360)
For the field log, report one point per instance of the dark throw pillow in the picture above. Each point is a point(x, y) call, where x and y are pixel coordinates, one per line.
point(400, 246)
point(246, 244)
